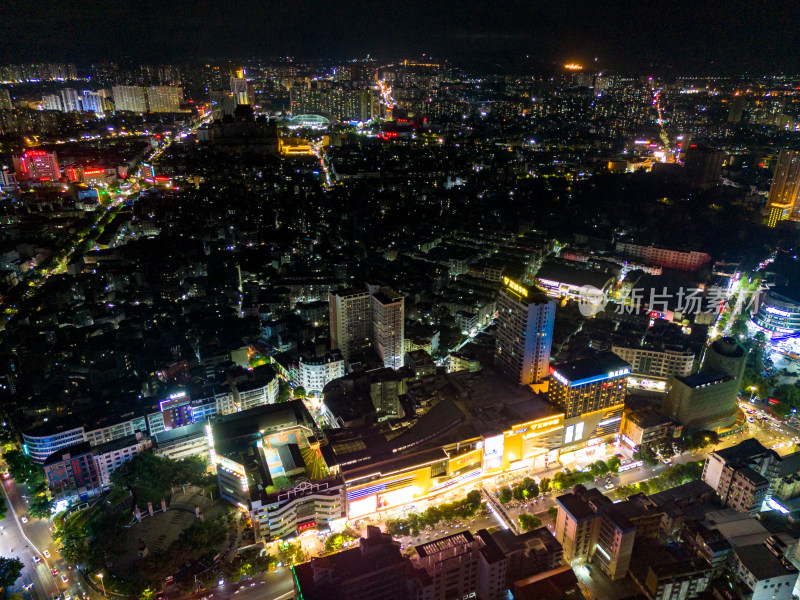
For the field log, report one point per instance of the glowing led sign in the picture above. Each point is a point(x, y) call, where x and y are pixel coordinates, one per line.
point(513, 285)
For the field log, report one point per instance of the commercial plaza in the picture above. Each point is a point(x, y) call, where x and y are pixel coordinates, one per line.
point(294, 478)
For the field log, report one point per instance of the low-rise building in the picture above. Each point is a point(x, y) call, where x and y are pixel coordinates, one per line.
point(647, 427)
point(761, 574)
point(742, 475)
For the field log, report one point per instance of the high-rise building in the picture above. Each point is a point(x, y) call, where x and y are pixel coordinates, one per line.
point(164, 98)
point(37, 165)
point(335, 103)
point(782, 200)
point(703, 166)
point(242, 91)
point(727, 356)
point(525, 319)
point(350, 322)
point(5, 99)
point(375, 569)
point(130, 98)
point(463, 566)
point(93, 102)
point(388, 318)
point(706, 400)
point(52, 102)
point(71, 100)
point(591, 392)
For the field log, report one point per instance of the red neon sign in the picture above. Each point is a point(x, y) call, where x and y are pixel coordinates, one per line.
point(93, 171)
point(162, 178)
point(305, 526)
point(35, 153)
point(773, 401)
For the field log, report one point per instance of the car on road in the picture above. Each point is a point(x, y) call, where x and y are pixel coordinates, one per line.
point(46, 554)
point(36, 559)
point(54, 571)
point(24, 519)
point(64, 578)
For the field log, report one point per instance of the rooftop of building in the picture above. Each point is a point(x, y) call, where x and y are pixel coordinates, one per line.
point(752, 476)
point(235, 431)
point(575, 273)
point(600, 364)
point(648, 418)
point(375, 553)
point(540, 538)
point(71, 451)
point(558, 584)
point(728, 346)
point(471, 405)
point(460, 538)
point(490, 549)
point(576, 507)
point(742, 451)
point(118, 444)
point(762, 563)
point(702, 379)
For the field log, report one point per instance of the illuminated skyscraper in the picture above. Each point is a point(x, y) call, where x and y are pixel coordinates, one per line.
point(242, 91)
point(388, 319)
point(130, 97)
point(525, 319)
point(350, 322)
point(164, 98)
point(782, 201)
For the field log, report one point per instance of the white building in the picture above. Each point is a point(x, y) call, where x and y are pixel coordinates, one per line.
point(657, 363)
point(767, 575)
point(111, 455)
point(388, 322)
point(130, 97)
point(314, 373)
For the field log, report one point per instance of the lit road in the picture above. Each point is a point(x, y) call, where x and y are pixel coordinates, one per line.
point(270, 586)
point(26, 540)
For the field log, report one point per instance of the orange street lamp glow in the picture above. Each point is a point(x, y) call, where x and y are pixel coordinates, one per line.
point(573, 67)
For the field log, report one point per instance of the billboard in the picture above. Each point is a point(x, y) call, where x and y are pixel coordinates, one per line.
point(362, 506)
point(91, 194)
point(493, 452)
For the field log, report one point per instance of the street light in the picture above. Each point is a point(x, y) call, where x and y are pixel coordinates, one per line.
point(102, 583)
point(752, 392)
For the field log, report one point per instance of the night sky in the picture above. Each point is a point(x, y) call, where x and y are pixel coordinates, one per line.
point(702, 36)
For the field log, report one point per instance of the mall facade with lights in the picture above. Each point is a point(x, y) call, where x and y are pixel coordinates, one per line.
point(293, 478)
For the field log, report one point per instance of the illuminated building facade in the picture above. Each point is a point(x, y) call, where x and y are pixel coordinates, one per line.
point(664, 257)
point(243, 92)
point(525, 320)
point(591, 393)
point(268, 463)
point(656, 362)
point(130, 98)
point(388, 319)
point(779, 314)
point(401, 479)
point(164, 98)
point(782, 200)
point(335, 103)
point(350, 322)
point(37, 165)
